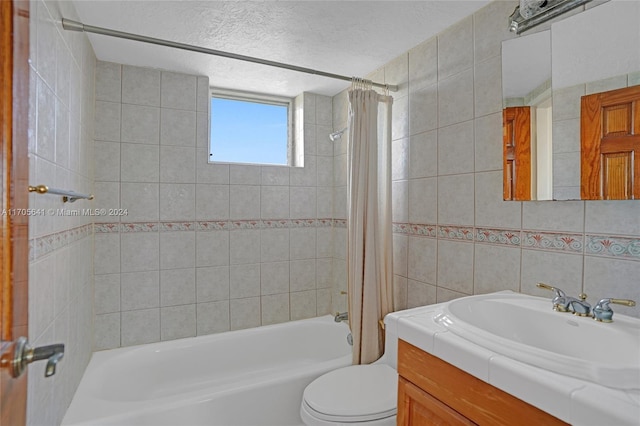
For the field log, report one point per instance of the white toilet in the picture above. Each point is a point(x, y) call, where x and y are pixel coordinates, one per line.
point(358, 395)
point(354, 395)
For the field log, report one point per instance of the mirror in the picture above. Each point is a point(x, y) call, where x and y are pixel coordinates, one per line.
point(527, 109)
point(595, 51)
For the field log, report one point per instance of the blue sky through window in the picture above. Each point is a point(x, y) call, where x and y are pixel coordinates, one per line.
point(248, 132)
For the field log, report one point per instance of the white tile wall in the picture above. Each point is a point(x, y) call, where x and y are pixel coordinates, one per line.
point(459, 237)
point(151, 150)
point(61, 282)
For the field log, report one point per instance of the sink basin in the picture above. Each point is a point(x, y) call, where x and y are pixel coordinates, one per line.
point(526, 329)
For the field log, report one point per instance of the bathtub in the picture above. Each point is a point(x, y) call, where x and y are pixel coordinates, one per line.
point(247, 377)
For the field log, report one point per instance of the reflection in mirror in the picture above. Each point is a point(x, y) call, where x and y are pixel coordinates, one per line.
point(527, 118)
point(595, 51)
point(596, 58)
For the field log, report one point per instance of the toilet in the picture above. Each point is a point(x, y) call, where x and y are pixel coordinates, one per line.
point(357, 395)
point(354, 395)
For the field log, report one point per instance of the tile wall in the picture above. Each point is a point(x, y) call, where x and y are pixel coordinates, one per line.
point(61, 239)
point(453, 233)
point(202, 248)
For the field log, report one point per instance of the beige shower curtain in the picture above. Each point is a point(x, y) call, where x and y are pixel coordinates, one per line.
point(369, 239)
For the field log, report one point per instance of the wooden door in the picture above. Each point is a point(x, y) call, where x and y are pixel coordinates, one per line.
point(516, 137)
point(610, 145)
point(14, 247)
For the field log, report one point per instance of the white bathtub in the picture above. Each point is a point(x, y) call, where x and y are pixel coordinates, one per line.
point(247, 377)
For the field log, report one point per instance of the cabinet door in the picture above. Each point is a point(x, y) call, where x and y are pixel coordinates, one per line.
point(418, 408)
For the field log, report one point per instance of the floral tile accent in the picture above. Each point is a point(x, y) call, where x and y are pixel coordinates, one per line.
point(105, 228)
point(276, 223)
point(424, 230)
point(498, 236)
point(340, 223)
point(572, 243)
point(613, 246)
point(455, 233)
point(46, 244)
point(140, 227)
point(177, 226)
point(246, 224)
point(219, 225)
point(306, 223)
point(401, 228)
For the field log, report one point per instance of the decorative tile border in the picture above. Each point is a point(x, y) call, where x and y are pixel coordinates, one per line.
point(455, 233)
point(309, 223)
point(424, 230)
point(44, 245)
point(613, 246)
point(106, 228)
point(247, 224)
point(596, 245)
point(401, 228)
point(221, 225)
point(340, 223)
point(139, 227)
point(572, 243)
point(177, 226)
point(217, 225)
point(421, 229)
point(498, 236)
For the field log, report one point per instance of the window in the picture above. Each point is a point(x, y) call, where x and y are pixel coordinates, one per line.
point(248, 128)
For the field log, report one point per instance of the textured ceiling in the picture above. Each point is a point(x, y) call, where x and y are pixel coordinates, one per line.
point(341, 37)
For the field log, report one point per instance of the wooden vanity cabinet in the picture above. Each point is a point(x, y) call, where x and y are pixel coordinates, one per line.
point(434, 392)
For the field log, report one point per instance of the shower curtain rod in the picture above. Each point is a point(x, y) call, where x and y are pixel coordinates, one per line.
point(70, 25)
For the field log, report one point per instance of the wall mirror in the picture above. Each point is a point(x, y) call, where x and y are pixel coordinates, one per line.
point(526, 115)
point(552, 74)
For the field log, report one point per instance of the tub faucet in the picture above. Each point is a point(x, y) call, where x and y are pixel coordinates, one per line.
point(602, 311)
point(341, 316)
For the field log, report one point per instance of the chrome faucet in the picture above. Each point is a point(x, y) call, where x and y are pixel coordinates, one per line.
point(341, 316)
point(580, 306)
point(602, 311)
point(560, 301)
point(563, 303)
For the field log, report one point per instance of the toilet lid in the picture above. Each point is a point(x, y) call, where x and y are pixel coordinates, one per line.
point(358, 391)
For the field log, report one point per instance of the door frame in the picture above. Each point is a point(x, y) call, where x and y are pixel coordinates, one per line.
point(14, 250)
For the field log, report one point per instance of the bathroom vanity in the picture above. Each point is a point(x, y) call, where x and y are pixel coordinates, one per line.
point(430, 388)
point(504, 358)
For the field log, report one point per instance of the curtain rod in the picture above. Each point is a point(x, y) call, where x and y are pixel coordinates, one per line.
point(70, 25)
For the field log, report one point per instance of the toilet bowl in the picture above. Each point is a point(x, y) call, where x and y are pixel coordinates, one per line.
point(355, 395)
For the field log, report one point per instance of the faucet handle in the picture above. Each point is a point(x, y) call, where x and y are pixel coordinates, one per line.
point(552, 288)
point(602, 311)
point(560, 302)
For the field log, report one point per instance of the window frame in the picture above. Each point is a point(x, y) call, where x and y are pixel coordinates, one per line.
point(260, 98)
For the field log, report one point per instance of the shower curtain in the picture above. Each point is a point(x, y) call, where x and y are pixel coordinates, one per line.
point(369, 239)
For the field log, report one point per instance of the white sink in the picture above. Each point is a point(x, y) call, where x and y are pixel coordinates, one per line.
point(526, 329)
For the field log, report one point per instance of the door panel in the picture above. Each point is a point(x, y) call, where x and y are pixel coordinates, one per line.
point(610, 145)
point(516, 135)
point(14, 251)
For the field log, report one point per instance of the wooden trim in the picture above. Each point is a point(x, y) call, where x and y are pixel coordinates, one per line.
point(6, 120)
point(590, 131)
point(475, 399)
point(14, 251)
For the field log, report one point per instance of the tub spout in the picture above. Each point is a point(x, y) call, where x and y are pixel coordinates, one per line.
point(341, 316)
